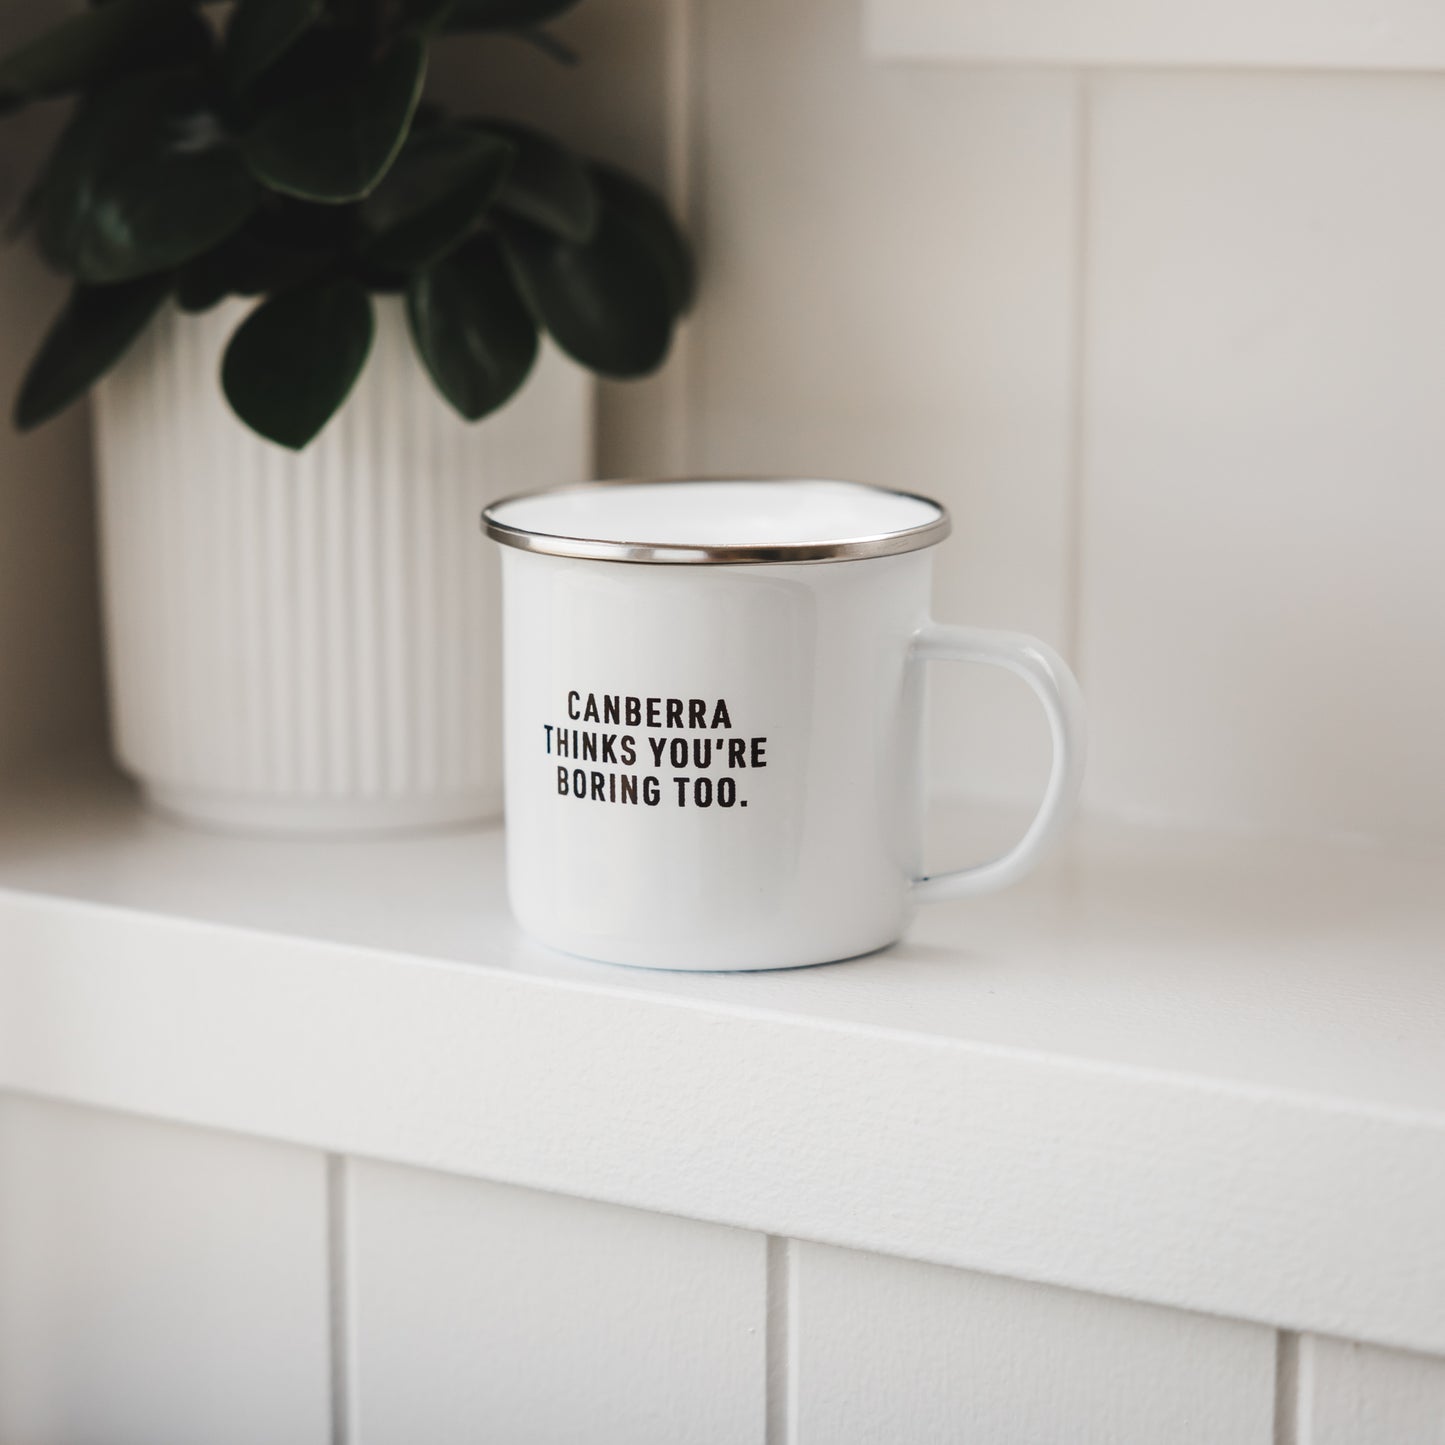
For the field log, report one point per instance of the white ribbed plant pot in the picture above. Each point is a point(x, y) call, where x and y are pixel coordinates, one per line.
point(309, 642)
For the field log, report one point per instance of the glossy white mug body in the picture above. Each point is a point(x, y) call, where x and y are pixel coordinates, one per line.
point(718, 767)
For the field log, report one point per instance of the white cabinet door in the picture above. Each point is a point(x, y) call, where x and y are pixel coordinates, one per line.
point(889, 1352)
point(159, 1285)
point(1358, 1395)
point(485, 1313)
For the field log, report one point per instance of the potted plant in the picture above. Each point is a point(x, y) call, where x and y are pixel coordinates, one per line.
point(301, 287)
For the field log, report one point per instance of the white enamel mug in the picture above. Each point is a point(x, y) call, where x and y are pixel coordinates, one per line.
point(713, 696)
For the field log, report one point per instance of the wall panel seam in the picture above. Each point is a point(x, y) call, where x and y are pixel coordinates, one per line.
point(684, 162)
point(692, 429)
point(1078, 382)
point(781, 1391)
point(1286, 1389)
point(1154, 66)
point(338, 1255)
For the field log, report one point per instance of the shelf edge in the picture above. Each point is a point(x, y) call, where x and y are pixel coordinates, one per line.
point(1296, 1212)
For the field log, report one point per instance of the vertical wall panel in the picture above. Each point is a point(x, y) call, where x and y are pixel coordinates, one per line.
point(885, 1350)
point(1263, 508)
point(158, 1285)
point(887, 296)
point(485, 1312)
point(1353, 1394)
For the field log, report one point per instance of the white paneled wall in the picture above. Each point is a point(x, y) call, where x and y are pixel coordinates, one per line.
point(485, 1312)
point(1264, 482)
point(889, 270)
point(1166, 341)
point(1357, 1395)
point(886, 1351)
point(159, 1285)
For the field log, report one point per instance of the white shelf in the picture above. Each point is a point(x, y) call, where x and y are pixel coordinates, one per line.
point(1203, 1071)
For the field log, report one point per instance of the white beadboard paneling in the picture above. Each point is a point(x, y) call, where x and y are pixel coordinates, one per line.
point(158, 1285)
point(887, 284)
point(1350, 34)
point(887, 1350)
point(1352, 1394)
point(484, 1312)
point(1263, 511)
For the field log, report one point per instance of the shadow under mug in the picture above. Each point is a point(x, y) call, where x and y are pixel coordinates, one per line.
point(713, 696)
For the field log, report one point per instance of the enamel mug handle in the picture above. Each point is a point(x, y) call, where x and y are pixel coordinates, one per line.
point(1055, 686)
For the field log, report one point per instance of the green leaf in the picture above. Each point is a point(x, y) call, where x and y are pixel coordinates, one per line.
point(432, 198)
point(471, 329)
point(425, 15)
point(606, 303)
point(503, 14)
point(93, 331)
point(84, 48)
point(295, 358)
point(204, 283)
point(140, 181)
point(642, 212)
point(249, 263)
point(304, 225)
point(547, 185)
point(261, 31)
point(335, 143)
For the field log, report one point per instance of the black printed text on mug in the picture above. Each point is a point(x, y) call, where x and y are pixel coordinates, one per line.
point(687, 770)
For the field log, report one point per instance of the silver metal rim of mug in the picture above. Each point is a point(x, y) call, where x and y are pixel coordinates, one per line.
point(716, 554)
